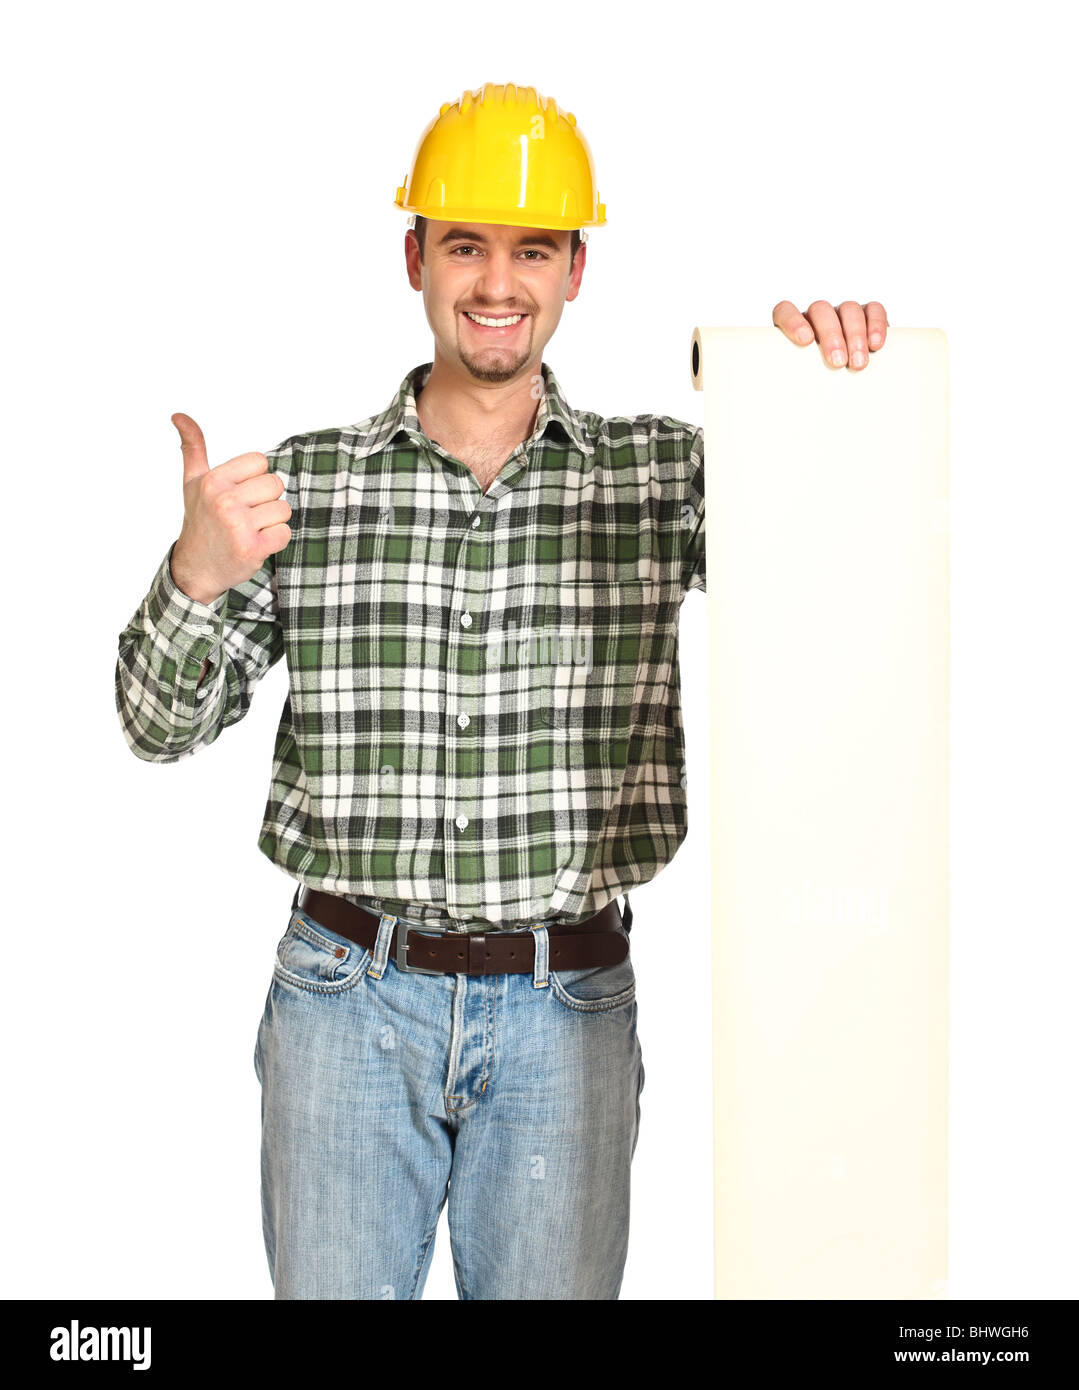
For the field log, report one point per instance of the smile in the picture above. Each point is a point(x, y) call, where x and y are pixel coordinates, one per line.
point(495, 325)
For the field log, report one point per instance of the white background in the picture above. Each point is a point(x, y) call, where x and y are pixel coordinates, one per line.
point(200, 217)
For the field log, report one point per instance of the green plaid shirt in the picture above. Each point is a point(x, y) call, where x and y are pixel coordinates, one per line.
point(483, 720)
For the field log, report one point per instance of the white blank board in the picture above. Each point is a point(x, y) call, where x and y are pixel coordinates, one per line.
point(827, 590)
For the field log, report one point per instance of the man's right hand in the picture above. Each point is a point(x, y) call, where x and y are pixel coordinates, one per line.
point(234, 517)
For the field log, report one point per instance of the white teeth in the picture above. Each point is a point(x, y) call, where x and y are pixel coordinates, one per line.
point(496, 323)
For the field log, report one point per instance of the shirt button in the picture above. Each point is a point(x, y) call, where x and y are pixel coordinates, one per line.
point(201, 693)
point(463, 721)
point(466, 619)
point(207, 629)
point(461, 822)
point(475, 522)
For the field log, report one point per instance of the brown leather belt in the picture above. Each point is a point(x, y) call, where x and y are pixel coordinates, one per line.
point(598, 940)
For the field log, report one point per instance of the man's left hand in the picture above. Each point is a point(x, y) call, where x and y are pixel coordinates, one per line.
point(847, 333)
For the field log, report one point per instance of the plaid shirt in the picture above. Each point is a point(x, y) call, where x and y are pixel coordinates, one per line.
point(483, 725)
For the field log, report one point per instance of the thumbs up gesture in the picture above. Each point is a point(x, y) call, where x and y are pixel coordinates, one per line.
point(234, 517)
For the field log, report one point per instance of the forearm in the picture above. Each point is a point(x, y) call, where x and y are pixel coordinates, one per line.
point(188, 670)
point(170, 672)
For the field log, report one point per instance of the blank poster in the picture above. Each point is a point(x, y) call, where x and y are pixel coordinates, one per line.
point(827, 590)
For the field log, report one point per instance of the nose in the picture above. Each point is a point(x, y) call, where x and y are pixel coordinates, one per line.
point(497, 281)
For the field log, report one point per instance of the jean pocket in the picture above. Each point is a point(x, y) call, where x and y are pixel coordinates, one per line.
point(596, 988)
point(313, 958)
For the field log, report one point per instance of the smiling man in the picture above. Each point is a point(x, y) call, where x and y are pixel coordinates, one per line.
point(476, 591)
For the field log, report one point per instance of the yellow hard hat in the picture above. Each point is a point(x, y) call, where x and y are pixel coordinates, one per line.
point(504, 154)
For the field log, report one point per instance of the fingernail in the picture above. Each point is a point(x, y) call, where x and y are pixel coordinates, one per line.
point(804, 334)
point(857, 359)
point(838, 357)
point(874, 340)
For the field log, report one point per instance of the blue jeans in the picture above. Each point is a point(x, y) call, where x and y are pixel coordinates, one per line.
point(385, 1093)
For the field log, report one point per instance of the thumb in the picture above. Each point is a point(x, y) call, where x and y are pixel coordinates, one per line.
point(193, 445)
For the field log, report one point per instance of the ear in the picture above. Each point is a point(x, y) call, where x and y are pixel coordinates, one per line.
point(576, 273)
point(412, 260)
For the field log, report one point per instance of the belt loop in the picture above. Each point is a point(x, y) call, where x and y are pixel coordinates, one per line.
point(542, 940)
point(382, 945)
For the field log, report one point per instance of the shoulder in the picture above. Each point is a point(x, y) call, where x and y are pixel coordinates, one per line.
point(307, 447)
point(661, 437)
point(673, 449)
point(316, 451)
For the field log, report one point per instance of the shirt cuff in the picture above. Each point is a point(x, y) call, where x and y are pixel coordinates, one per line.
point(194, 629)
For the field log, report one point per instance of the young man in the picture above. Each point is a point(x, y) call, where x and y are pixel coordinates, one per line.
point(476, 592)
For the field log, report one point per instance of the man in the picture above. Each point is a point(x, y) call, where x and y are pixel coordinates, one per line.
point(477, 594)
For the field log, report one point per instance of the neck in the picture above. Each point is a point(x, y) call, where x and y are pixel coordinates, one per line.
point(454, 406)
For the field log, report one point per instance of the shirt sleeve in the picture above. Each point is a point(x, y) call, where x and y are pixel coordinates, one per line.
point(693, 566)
point(164, 712)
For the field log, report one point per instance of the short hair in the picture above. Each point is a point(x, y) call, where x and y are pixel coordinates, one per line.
point(421, 236)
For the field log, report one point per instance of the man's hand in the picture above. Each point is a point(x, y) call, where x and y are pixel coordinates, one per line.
point(234, 517)
point(847, 334)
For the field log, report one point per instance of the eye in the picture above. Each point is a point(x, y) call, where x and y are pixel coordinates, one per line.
point(462, 248)
point(531, 251)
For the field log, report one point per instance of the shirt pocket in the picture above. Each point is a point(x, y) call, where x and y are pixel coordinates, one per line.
point(594, 650)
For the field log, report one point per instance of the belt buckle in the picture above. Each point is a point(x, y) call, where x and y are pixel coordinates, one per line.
point(401, 955)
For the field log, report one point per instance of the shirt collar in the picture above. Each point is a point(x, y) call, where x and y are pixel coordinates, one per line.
point(400, 415)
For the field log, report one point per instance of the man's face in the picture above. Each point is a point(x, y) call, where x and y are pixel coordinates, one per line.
point(493, 272)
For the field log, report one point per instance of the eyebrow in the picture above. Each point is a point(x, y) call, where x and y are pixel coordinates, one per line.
point(530, 239)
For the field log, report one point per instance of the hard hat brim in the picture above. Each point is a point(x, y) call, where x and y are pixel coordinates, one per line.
point(499, 218)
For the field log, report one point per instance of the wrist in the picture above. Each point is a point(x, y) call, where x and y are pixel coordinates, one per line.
point(189, 584)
